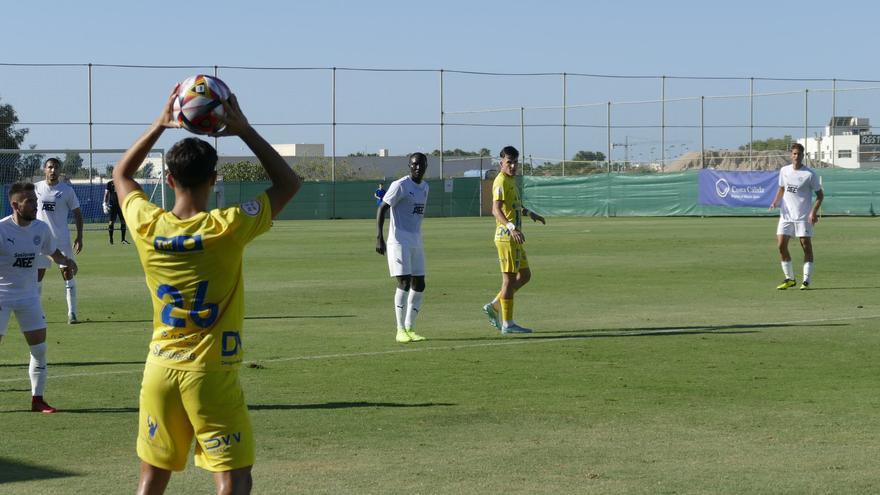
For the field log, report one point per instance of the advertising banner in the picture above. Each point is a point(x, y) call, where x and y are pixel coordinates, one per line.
point(737, 189)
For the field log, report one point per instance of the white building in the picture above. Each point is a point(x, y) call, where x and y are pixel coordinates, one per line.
point(847, 143)
point(300, 149)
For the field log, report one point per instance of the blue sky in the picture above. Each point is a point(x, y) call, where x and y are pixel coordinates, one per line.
point(740, 39)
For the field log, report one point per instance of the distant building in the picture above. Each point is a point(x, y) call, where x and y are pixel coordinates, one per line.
point(383, 152)
point(847, 142)
point(299, 149)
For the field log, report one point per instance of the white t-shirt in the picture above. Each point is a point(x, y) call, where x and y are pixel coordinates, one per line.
point(19, 248)
point(54, 204)
point(800, 186)
point(407, 200)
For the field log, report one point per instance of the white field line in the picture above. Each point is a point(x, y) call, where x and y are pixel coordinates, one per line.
point(518, 341)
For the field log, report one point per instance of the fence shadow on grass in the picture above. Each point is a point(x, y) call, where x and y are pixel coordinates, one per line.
point(12, 471)
point(257, 317)
point(74, 363)
point(594, 333)
point(342, 405)
point(84, 410)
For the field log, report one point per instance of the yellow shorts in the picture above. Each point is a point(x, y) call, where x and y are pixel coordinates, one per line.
point(177, 405)
point(512, 256)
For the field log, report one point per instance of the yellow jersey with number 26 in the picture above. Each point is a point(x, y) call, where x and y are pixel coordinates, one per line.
point(193, 270)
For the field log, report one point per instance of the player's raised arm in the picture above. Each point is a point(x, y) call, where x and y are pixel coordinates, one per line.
point(285, 182)
point(123, 172)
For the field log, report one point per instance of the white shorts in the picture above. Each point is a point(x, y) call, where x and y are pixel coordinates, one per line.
point(405, 260)
point(28, 312)
point(795, 229)
point(44, 262)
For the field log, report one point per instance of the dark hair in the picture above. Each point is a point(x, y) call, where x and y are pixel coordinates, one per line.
point(418, 158)
point(20, 187)
point(57, 162)
point(191, 162)
point(798, 146)
point(509, 151)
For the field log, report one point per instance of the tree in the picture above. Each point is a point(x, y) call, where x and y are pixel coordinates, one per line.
point(589, 156)
point(770, 144)
point(71, 164)
point(460, 152)
point(243, 171)
point(11, 139)
point(29, 164)
point(145, 171)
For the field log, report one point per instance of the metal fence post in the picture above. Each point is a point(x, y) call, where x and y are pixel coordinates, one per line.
point(608, 136)
point(703, 132)
point(663, 123)
point(564, 122)
point(333, 151)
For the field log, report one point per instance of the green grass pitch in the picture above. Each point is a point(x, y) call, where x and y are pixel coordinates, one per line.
point(664, 362)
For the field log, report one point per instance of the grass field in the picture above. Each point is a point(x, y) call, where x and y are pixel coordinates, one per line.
point(664, 362)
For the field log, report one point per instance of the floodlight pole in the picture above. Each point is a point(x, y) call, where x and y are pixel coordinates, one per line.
point(806, 114)
point(522, 133)
point(608, 135)
point(91, 124)
point(703, 133)
point(833, 121)
point(751, 119)
point(333, 153)
point(216, 139)
point(442, 123)
point(663, 123)
point(564, 122)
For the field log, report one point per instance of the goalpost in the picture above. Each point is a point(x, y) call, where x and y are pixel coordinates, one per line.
point(87, 170)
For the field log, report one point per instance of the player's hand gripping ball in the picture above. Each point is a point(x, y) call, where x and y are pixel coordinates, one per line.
point(198, 105)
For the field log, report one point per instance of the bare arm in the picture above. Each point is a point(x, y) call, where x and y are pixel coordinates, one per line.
point(534, 216)
point(123, 172)
point(498, 213)
point(814, 213)
point(285, 182)
point(380, 226)
point(61, 260)
point(778, 197)
point(78, 221)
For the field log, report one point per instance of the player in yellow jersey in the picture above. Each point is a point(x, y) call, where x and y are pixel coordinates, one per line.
point(507, 209)
point(192, 259)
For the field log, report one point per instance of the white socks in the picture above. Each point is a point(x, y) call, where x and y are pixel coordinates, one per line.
point(400, 297)
point(412, 310)
point(808, 271)
point(788, 270)
point(37, 368)
point(70, 288)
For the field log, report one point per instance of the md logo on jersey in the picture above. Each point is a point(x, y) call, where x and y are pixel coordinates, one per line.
point(48, 206)
point(179, 243)
point(224, 441)
point(419, 209)
point(152, 426)
point(231, 343)
point(792, 189)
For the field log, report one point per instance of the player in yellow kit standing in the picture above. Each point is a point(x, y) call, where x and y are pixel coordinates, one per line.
point(515, 273)
point(192, 259)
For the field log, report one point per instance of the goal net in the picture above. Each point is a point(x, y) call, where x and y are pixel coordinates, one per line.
point(87, 170)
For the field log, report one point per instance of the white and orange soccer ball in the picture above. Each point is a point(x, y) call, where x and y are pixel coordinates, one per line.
point(198, 107)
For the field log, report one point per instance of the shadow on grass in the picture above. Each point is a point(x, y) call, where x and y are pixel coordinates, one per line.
point(11, 471)
point(85, 410)
point(842, 288)
point(592, 333)
point(342, 405)
point(75, 363)
point(261, 317)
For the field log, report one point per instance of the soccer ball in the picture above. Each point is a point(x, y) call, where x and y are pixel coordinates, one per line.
point(197, 106)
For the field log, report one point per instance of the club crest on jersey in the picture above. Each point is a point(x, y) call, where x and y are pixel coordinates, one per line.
point(37, 240)
point(251, 208)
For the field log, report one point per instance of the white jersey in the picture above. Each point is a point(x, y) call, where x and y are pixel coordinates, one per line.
point(54, 204)
point(800, 186)
point(19, 248)
point(407, 200)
